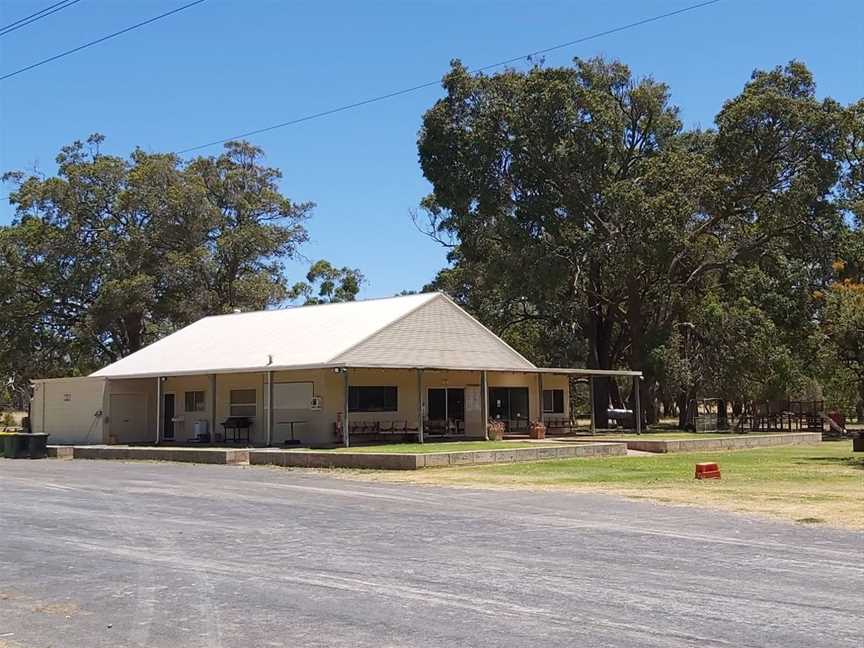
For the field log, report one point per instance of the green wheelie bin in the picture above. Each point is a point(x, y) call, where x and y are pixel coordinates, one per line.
point(37, 445)
point(15, 446)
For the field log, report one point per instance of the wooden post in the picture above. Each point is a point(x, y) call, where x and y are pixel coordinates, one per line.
point(158, 410)
point(420, 404)
point(269, 409)
point(212, 430)
point(484, 396)
point(345, 427)
point(637, 414)
point(591, 398)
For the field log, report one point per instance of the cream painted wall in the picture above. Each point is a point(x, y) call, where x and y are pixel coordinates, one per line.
point(185, 429)
point(317, 426)
point(70, 410)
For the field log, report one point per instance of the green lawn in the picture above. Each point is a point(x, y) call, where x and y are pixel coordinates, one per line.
point(828, 463)
point(462, 446)
point(821, 483)
point(444, 446)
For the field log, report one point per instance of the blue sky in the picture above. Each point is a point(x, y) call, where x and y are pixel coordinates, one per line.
point(222, 68)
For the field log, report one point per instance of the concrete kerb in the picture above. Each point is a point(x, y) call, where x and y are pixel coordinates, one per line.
point(61, 452)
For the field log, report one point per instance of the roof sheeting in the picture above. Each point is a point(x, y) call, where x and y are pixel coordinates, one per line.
point(440, 334)
point(290, 337)
point(425, 330)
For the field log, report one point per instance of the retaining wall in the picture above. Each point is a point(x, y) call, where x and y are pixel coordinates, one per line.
point(393, 461)
point(186, 455)
point(724, 443)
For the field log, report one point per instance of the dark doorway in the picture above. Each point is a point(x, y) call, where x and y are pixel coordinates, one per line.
point(168, 417)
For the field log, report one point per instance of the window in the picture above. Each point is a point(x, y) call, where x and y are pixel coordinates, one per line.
point(553, 401)
point(372, 399)
point(243, 403)
point(195, 401)
point(508, 403)
point(446, 404)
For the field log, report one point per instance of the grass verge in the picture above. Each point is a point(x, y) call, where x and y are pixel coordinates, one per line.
point(815, 484)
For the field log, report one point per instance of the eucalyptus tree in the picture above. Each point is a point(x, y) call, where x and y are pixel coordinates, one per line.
point(576, 193)
point(113, 252)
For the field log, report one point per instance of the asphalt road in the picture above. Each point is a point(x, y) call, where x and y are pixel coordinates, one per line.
point(98, 553)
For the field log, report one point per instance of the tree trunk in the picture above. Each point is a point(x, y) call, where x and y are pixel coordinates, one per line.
point(650, 403)
point(599, 343)
point(683, 407)
point(634, 322)
point(722, 418)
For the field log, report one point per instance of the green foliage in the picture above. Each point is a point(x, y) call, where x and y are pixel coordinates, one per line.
point(328, 284)
point(113, 253)
point(582, 218)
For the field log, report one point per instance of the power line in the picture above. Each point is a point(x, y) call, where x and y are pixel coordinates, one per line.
point(101, 40)
point(39, 15)
point(4, 27)
point(429, 84)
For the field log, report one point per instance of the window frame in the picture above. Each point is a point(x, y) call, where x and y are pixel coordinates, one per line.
point(253, 404)
point(355, 405)
point(553, 410)
point(202, 408)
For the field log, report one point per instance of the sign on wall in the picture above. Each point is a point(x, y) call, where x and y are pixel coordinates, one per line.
point(293, 395)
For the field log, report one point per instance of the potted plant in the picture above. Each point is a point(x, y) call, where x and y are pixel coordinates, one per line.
point(496, 430)
point(537, 430)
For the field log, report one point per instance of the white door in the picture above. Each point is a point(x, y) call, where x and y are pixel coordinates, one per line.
point(128, 422)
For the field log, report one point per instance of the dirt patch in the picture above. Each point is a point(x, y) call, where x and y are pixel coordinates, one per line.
point(60, 609)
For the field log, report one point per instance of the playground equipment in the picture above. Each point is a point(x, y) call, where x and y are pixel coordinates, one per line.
point(785, 415)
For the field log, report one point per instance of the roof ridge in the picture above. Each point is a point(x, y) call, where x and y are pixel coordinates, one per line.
point(299, 306)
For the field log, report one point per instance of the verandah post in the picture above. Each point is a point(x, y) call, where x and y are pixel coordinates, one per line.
point(420, 405)
point(158, 410)
point(484, 396)
point(345, 427)
point(212, 385)
point(269, 408)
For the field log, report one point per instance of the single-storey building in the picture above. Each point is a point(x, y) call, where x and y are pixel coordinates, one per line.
point(417, 365)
